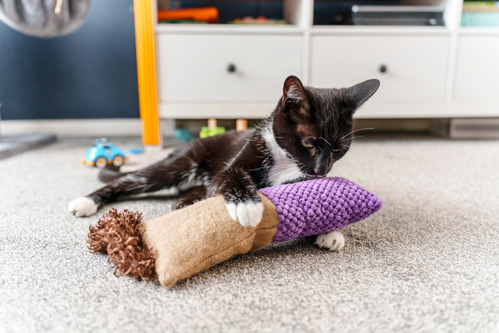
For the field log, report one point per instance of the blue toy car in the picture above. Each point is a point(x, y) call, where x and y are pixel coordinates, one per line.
point(103, 153)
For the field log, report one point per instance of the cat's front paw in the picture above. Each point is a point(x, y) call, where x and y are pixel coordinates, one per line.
point(333, 241)
point(247, 213)
point(83, 206)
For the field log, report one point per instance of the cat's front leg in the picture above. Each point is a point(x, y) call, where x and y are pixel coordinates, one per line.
point(241, 199)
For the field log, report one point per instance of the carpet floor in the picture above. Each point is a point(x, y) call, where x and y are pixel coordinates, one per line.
point(428, 261)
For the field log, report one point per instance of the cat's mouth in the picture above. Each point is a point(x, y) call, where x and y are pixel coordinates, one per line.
point(314, 175)
point(310, 173)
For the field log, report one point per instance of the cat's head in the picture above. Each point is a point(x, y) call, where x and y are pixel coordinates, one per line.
point(314, 125)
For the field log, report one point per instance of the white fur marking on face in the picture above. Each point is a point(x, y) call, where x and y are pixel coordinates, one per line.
point(284, 168)
point(333, 241)
point(83, 206)
point(248, 214)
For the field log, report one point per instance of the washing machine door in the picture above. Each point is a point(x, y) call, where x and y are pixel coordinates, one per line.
point(44, 18)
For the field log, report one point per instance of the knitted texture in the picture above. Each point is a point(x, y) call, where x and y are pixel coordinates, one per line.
point(319, 206)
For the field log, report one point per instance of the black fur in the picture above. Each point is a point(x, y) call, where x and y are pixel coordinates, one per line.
point(236, 164)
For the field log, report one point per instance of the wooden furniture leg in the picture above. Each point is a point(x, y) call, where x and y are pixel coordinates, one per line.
point(146, 73)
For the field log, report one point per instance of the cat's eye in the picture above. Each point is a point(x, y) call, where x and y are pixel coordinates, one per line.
point(335, 153)
point(308, 142)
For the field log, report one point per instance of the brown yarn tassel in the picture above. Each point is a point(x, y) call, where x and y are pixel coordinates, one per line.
point(117, 234)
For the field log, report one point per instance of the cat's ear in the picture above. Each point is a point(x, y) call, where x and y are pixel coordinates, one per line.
point(293, 92)
point(358, 94)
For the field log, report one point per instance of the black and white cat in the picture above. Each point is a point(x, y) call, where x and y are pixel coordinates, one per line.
point(309, 131)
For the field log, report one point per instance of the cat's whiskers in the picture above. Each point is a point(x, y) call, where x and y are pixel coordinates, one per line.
point(279, 168)
point(360, 129)
point(279, 173)
point(329, 143)
point(352, 138)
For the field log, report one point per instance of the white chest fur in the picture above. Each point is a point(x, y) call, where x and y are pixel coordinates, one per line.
point(284, 168)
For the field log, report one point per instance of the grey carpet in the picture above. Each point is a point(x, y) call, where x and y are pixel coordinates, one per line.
point(427, 262)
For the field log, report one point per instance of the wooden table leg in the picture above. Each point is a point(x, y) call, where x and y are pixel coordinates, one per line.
point(146, 72)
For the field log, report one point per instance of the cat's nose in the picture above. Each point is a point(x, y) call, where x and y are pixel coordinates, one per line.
point(322, 167)
point(320, 171)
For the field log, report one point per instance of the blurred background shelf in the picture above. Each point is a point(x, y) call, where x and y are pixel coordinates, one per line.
point(231, 70)
point(379, 30)
point(230, 12)
point(470, 31)
point(227, 29)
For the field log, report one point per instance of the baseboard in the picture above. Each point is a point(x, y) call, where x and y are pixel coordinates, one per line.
point(74, 127)
point(466, 128)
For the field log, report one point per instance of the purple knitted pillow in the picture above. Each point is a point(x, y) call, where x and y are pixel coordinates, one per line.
point(319, 206)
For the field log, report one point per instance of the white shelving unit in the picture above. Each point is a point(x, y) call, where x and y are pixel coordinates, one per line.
point(431, 72)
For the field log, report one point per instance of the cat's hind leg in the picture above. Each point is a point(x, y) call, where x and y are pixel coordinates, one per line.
point(177, 173)
point(132, 183)
point(332, 241)
point(189, 197)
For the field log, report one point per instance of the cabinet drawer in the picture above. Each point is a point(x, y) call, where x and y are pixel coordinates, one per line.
point(477, 72)
point(411, 68)
point(197, 68)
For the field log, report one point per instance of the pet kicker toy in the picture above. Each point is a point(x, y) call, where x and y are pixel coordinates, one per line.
point(184, 242)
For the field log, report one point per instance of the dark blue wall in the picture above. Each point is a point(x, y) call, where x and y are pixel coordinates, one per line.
point(90, 73)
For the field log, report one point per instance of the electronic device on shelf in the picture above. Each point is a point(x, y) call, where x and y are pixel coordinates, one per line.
point(398, 15)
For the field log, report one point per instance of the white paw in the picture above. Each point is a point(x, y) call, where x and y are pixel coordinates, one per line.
point(248, 214)
point(333, 241)
point(83, 206)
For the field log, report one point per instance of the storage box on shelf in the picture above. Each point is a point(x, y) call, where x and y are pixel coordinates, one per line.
point(237, 71)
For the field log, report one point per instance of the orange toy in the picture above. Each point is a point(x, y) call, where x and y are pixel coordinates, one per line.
point(207, 14)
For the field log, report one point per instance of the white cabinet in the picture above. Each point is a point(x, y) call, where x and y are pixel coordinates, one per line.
point(416, 72)
point(200, 68)
point(477, 69)
point(232, 71)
